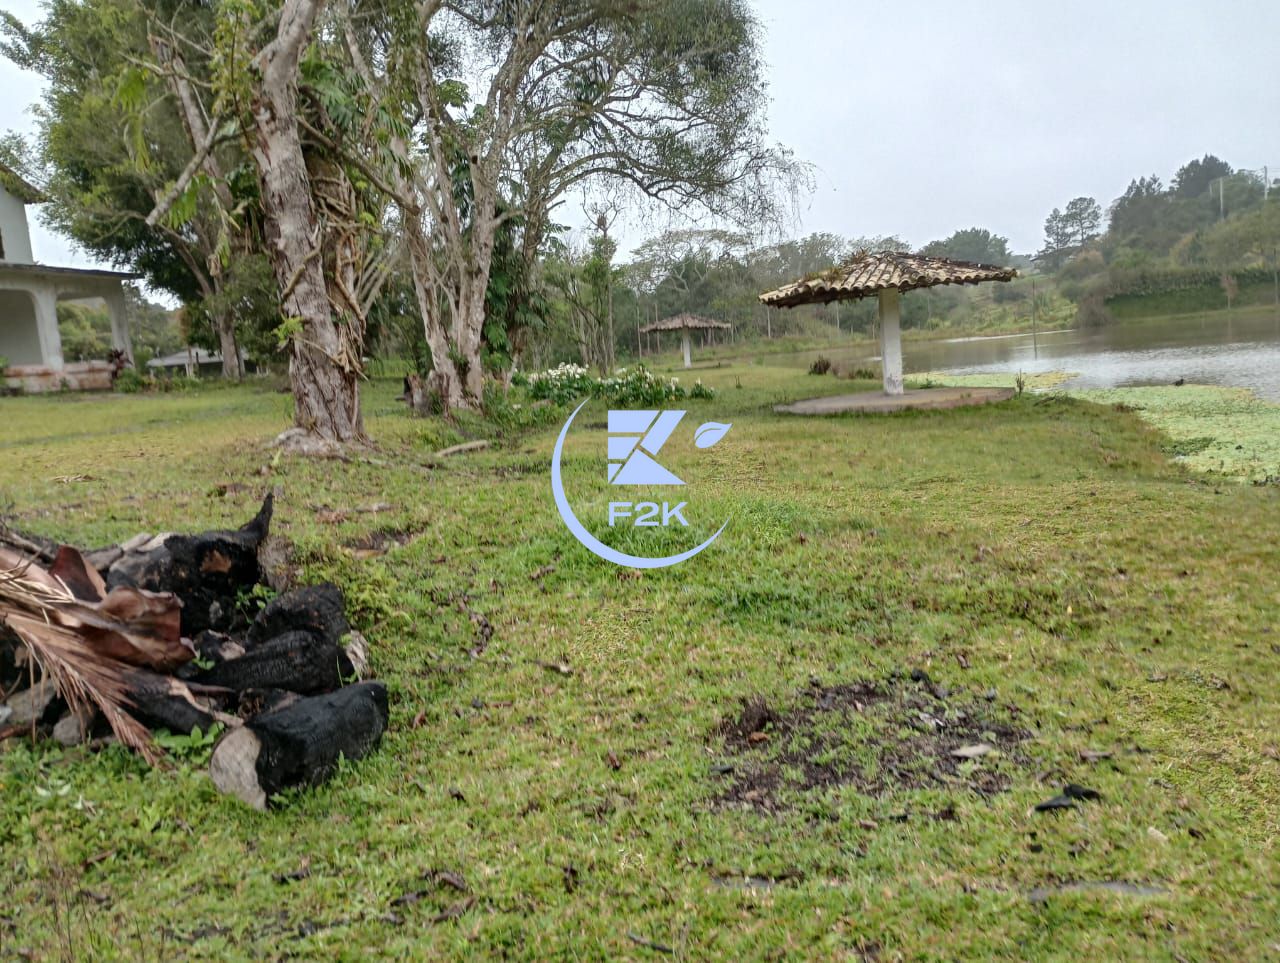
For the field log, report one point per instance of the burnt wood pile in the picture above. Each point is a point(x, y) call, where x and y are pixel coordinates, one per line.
point(170, 633)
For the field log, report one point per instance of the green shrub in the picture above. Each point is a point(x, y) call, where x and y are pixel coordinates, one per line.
point(820, 366)
point(1092, 311)
point(701, 391)
point(130, 382)
point(507, 418)
point(862, 374)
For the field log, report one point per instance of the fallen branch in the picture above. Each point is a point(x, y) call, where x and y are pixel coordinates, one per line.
point(639, 940)
point(462, 449)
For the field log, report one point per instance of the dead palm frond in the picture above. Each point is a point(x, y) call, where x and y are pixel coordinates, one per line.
point(83, 678)
point(89, 640)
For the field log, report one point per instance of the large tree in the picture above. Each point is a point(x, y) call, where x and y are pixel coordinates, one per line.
point(323, 329)
point(661, 98)
point(971, 244)
point(125, 115)
point(1082, 220)
point(1069, 231)
point(1194, 178)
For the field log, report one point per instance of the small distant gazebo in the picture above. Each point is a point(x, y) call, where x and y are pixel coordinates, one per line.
point(885, 274)
point(684, 323)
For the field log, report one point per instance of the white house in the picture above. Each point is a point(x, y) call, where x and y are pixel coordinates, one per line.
point(29, 296)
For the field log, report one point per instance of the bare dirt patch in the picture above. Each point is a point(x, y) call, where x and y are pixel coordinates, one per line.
point(380, 541)
point(874, 738)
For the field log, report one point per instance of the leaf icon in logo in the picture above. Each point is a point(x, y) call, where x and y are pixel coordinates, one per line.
point(710, 433)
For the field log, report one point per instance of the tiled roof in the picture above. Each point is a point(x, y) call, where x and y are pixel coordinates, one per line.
point(684, 322)
point(869, 273)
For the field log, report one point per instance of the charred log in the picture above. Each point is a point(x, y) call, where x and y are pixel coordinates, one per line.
point(163, 702)
point(206, 571)
point(215, 647)
point(299, 745)
point(318, 609)
point(260, 702)
point(297, 661)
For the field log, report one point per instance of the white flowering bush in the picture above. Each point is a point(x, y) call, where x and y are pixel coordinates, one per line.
point(699, 390)
point(561, 384)
point(626, 386)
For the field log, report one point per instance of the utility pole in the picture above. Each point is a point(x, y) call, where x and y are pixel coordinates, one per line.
point(1035, 340)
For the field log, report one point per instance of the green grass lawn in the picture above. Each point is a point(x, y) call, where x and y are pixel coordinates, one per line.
point(1043, 558)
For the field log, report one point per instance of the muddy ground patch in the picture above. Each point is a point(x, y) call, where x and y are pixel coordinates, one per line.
point(873, 738)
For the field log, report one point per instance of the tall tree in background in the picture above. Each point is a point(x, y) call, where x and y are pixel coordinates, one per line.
point(1195, 178)
point(1138, 214)
point(661, 98)
point(585, 281)
point(1082, 220)
point(325, 350)
point(125, 115)
point(1068, 231)
point(972, 244)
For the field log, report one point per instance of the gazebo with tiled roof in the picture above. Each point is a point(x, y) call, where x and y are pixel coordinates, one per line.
point(885, 274)
point(684, 323)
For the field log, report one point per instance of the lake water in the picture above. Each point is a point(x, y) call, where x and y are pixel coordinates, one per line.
point(1243, 352)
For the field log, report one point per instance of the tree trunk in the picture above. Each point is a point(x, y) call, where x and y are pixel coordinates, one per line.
point(324, 376)
point(444, 380)
point(469, 325)
point(470, 329)
point(231, 369)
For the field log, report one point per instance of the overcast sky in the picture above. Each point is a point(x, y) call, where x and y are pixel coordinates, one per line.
point(928, 117)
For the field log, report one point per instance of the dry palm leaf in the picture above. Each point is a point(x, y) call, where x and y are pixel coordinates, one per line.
point(89, 640)
point(127, 624)
point(83, 678)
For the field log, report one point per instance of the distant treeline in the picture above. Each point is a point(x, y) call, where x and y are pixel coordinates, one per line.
point(1209, 240)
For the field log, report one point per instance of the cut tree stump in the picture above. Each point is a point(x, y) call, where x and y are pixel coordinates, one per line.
point(300, 744)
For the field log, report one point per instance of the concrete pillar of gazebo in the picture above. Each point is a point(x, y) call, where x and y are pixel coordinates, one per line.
point(45, 298)
point(684, 343)
point(891, 340)
point(118, 310)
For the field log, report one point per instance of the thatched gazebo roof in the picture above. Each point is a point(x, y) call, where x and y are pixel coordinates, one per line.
point(870, 273)
point(685, 322)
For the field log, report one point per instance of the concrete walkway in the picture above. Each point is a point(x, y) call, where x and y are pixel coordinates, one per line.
point(880, 403)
